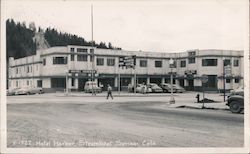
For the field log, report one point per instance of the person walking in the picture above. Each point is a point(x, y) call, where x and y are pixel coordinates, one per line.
point(109, 92)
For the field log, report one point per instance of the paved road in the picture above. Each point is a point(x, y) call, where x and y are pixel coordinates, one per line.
point(74, 122)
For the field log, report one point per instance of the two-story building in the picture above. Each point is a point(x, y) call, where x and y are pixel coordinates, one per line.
point(71, 66)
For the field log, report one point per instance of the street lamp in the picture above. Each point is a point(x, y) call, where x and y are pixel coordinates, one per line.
point(171, 63)
point(67, 90)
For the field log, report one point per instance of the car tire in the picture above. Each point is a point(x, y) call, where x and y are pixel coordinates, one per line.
point(28, 93)
point(235, 107)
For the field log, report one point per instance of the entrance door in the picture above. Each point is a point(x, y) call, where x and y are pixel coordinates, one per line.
point(39, 83)
point(181, 82)
point(191, 84)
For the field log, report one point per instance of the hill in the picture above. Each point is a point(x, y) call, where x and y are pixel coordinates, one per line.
point(20, 39)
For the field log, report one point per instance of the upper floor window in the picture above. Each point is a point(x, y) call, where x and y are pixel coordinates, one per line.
point(83, 50)
point(236, 62)
point(44, 61)
point(158, 63)
point(209, 62)
point(143, 63)
point(183, 63)
point(111, 62)
point(72, 57)
point(82, 57)
point(227, 62)
point(192, 53)
point(59, 60)
point(17, 70)
point(236, 80)
point(28, 69)
point(72, 49)
point(191, 60)
point(100, 61)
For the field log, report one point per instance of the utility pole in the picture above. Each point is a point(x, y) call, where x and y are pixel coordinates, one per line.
point(92, 52)
point(224, 84)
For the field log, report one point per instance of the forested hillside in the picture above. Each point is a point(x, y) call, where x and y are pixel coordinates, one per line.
point(20, 39)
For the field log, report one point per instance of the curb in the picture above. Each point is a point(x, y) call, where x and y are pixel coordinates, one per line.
point(193, 107)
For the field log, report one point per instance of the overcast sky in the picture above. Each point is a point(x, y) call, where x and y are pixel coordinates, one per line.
point(168, 25)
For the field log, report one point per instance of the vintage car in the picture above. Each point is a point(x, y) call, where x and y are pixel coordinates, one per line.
point(155, 88)
point(178, 88)
point(236, 102)
point(89, 85)
point(28, 91)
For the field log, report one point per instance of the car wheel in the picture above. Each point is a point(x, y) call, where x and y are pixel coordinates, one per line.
point(28, 93)
point(235, 107)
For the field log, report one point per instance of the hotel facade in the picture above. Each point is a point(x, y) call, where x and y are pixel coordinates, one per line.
point(70, 66)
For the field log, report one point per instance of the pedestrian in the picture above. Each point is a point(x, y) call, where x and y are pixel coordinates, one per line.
point(144, 88)
point(109, 92)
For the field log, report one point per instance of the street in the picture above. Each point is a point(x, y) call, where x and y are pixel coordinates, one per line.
point(48, 120)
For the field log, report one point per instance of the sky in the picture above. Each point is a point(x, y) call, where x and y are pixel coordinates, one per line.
point(163, 25)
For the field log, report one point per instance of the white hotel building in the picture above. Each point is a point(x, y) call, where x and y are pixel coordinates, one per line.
point(50, 68)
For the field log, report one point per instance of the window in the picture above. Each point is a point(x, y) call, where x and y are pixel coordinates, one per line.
point(44, 61)
point(173, 65)
point(59, 60)
point(227, 62)
point(72, 57)
point(158, 63)
point(236, 62)
point(16, 83)
point(37, 67)
point(17, 70)
point(209, 62)
point(100, 61)
point(111, 62)
point(228, 81)
point(72, 49)
point(82, 58)
point(27, 82)
point(183, 63)
point(191, 60)
point(28, 69)
point(143, 63)
point(236, 80)
point(58, 83)
point(192, 53)
point(82, 50)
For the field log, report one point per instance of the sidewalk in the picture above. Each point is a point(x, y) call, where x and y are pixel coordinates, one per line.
point(182, 100)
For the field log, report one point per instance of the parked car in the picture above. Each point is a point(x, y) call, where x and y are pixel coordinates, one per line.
point(140, 88)
point(89, 85)
point(29, 90)
point(12, 92)
point(178, 88)
point(167, 87)
point(238, 91)
point(130, 88)
point(236, 103)
point(155, 88)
